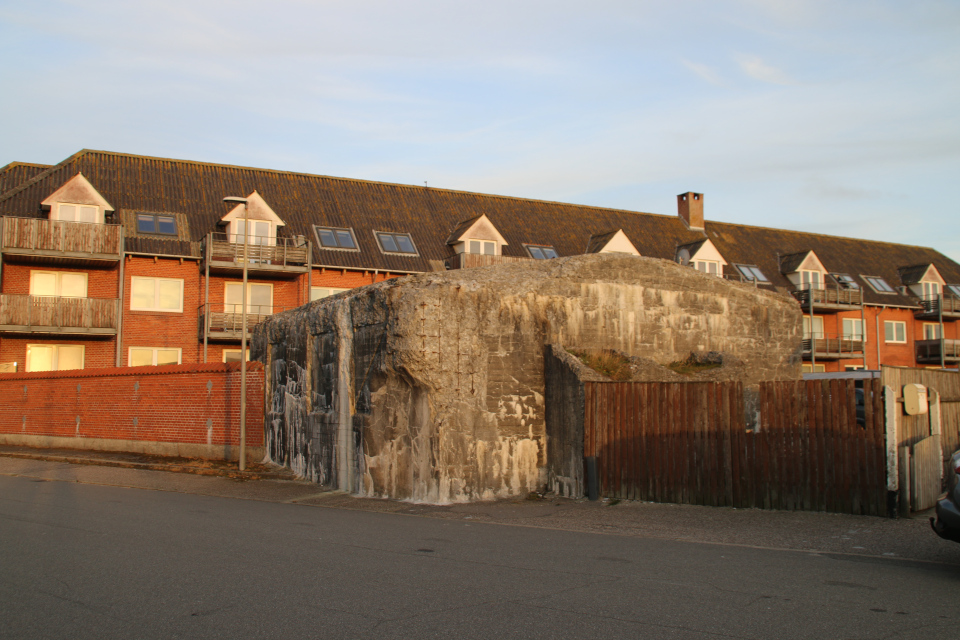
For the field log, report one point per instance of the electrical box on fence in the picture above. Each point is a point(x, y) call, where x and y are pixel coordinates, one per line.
point(914, 399)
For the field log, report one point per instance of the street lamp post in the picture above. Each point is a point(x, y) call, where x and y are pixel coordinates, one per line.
point(243, 334)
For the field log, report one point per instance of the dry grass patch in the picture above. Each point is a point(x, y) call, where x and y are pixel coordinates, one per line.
point(609, 363)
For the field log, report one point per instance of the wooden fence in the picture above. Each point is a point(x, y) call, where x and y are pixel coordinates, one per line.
point(686, 443)
point(912, 429)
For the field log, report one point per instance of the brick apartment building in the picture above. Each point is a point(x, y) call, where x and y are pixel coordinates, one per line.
point(110, 259)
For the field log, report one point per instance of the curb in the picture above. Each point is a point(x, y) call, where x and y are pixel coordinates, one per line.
point(174, 468)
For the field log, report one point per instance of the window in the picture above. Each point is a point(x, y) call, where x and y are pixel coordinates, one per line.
point(58, 283)
point(894, 331)
point(78, 213)
point(156, 223)
point(853, 367)
point(751, 272)
point(931, 331)
point(931, 290)
point(259, 298)
point(322, 292)
point(541, 251)
point(707, 266)
point(261, 232)
point(954, 289)
point(808, 368)
point(878, 284)
point(333, 238)
point(811, 279)
point(54, 357)
point(845, 281)
point(852, 329)
point(817, 327)
point(156, 294)
point(233, 355)
point(486, 247)
point(152, 356)
point(395, 243)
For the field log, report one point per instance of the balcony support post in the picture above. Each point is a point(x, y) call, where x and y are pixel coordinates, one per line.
point(813, 335)
point(243, 346)
point(206, 293)
point(120, 302)
point(943, 344)
point(863, 335)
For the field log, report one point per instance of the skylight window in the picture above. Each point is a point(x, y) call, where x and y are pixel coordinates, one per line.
point(541, 251)
point(156, 223)
point(752, 272)
point(954, 289)
point(878, 284)
point(396, 243)
point(845, 281)
point(336, 238)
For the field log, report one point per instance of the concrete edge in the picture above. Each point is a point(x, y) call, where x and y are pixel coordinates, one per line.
point(170, 449)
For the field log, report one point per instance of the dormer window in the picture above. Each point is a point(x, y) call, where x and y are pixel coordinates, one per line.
point(752, 273)
point(878, 284)
point(811, 279)
point(261, 232)
point(78, 213)
point(486, 247)
point(400, 243)
point(931, 290)
point(541, 251)
point(155, 223)
point(703, 256)
point(845, 281)
point(707, 266)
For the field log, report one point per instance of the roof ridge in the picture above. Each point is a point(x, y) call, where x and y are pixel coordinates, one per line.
point(43, 174)
point(814, 233)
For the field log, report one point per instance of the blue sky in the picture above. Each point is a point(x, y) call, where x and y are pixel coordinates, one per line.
point(837, 117)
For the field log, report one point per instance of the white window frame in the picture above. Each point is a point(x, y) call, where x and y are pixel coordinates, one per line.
point(931, 328)
point(703, 266)
point(894, 324)
point(250, 285)
point(317, 228)
point(59, 276)
point(853, 367)
point(856, 324)
point(810, 328)
point(271, 237)
point(482, 245)
point(223, 355)
point(330, 291)
point(931, 290)
point(56, 356)
point(808, 281)
point(812, 368)
point(752, 273)
point(415, 254)
point(154, 350)
point(156, 294)
point(98, 212)
point(870, 281)
point(954, 289)
point(541, 248)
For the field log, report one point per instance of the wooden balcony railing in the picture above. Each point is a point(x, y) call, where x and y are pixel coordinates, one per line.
point(40, 314)
point(71, 239)
point(230, 324)
point(828, 295)
point(277, 253)
point(469, 260)
point(833, 346)
point(928, 351)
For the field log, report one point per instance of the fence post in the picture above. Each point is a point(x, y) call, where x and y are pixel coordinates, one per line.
point(893, 472)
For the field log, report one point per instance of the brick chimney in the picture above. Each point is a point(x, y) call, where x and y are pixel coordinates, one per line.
point(690, 208)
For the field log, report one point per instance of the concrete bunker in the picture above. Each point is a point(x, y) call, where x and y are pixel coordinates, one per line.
point(431, 387)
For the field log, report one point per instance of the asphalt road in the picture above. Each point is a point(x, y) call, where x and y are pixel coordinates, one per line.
point(91, 561)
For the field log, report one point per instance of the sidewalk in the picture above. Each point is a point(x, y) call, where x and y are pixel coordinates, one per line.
point(197, 466)
point(875, 539)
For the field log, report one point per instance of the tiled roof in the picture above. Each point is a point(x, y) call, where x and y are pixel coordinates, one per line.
point(194, 191)
point(17, 173)
point(913, 273)
point(598, 241)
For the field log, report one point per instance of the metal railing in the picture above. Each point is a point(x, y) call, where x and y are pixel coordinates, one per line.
point(228, 319)
point(828, 294)
point(935, 304)
point(35, 234)
point(225, 247)
point(929, 350)
point(54, 312)
point(469, 260)
point(833, 344)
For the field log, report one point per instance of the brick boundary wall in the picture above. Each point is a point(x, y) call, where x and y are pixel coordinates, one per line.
point(188, 410)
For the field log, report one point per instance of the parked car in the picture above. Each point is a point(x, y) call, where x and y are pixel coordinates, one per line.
point(947, 522)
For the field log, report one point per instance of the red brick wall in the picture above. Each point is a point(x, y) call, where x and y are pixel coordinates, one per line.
point(101, 283)
point(97, 352)
point(155, 404)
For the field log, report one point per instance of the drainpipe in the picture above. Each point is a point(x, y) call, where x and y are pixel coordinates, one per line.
point(123, 260)
point(882, 309)
point(943, 343)
point(206, 294)
point(863, 331)
point(813, 335)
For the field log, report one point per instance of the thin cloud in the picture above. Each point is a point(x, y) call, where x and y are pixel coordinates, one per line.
point(705, 72)
point(757, 69)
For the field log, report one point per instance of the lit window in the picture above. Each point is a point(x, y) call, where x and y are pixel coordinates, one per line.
point(54, 357)
point(811, 279)
point(396, 243)
point(707, 266)
point(334, 238)
point(752, 272)
point(259, 298)
point(541, 252)
point(261, 233)
point(156, 294)
point(894, 331)
point(878, 284)
point(817, 327)
point(852, 329)
point(233, 355)
point(931, 331)
point(853, 367)
point(78, 213)
point(931, 290)
point(64, 284)
point(153, 356)
point(156, 223)
point(845, 281)
point(808, 368)
point(323, 292)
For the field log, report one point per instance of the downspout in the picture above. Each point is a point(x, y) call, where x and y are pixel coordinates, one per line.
point(813, 335)
point(863, 330)
point(882, 309)
point(206, 295)
point(309, 271)
point(123, 259)
point(943, 343)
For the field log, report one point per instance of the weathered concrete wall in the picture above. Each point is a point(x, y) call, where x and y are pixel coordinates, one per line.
point(431, 387)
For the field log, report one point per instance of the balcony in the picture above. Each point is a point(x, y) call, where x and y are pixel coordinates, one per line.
point(832, 346)
point(928, 351)
point(469, 260)
point(58, 316)
point(281, 258)
point(225, 326)
point(829, 298)
point(932, 306)
point(59, 242)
